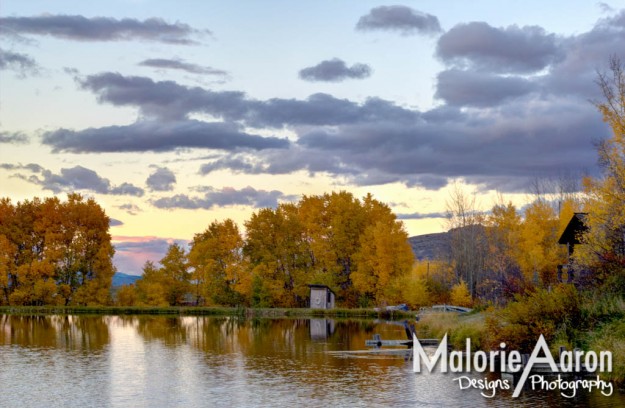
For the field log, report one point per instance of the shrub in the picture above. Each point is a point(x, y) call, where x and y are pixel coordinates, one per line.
point(550, 313)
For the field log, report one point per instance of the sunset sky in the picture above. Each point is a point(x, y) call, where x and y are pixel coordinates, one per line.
point(175, 114)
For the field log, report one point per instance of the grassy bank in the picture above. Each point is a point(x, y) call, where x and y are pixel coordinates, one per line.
point(457, 327)
point(205, 311)
point(593, 320)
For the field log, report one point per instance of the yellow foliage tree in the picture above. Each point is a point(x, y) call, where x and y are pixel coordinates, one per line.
point(414, 291)
point(220, 273)
point(538, 251)
point(460, 295)
point(384, 258)
point(604, 249)
point(56, 252)
point(126, 296)
point(150, 288)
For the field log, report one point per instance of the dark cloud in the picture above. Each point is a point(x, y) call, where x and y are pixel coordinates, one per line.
point(421, 216)
point(21, 64)
point(227, 196)
point(130, 208)
point(504, 118)
point(586, 53)
point(171, 101)
point(80, 28)
point(162, 179)
point(480, 46)
point(399, 18)
point(334, 70)
point(164, 99)
point(80, 178)
point(496, 148)
point(33, 167)
point(470, 88)
point(114, 222)
point(158, 136)
point(181, 65)
point(13, 137)
point(126, 189)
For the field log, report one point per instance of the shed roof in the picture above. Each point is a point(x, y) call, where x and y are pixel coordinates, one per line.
point(317, 286)
point(571, 233)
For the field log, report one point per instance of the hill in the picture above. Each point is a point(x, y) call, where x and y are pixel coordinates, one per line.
point(430, 246)
point(120, 279)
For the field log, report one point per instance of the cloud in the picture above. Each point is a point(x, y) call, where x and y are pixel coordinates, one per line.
point(162, 179)
point(80, 28)
point(158, 137)
point(33, 167)
point(114, 222)
point(399, 18)
point(181, 65)
point(503, 118)
point(334, 70)
point(21, 64)
point(421, 216)
point(13, 137)
point(167, 100)
point(470, 88)
point(480, 46)
point(130, 208)
point(224, 197)
point(131, 253)
point(80, 178)
point(498, 148)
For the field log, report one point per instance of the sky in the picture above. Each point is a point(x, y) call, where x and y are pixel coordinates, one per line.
point(175, 114)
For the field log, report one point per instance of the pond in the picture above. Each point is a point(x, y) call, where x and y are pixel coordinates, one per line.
point(153, 361)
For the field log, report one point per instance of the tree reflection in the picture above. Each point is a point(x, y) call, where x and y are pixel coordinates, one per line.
point(79, 333)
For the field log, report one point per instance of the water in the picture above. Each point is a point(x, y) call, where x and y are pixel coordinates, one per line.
point(145, 361)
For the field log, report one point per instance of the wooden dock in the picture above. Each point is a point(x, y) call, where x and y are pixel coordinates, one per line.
point(378, 342)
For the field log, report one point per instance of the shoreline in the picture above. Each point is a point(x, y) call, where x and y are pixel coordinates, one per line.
point(207, 311)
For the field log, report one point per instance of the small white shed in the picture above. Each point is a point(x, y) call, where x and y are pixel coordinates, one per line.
point(321, 297)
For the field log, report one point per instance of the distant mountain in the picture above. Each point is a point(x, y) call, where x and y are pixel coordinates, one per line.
point(430, 246)
point(120, 279)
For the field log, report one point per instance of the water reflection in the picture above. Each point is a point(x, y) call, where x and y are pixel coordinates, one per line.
point(122, 361)
point(88, 334)
point(321, 329)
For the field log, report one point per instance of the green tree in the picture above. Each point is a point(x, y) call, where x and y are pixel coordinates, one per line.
point(176, 275)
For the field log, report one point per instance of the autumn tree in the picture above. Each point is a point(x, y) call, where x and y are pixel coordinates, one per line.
point(55, 252)
point(460, 296)
point(384, 258)
point(504, 233)
point(538, 250)
point(604, 249)
point(356, 247)
point(277, 253)
point(220, 274)
point(165, 285)
point(151, 287)
point(126, 296)
point(176, 275)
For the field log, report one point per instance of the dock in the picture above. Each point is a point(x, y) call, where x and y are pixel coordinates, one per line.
point(378, 342)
